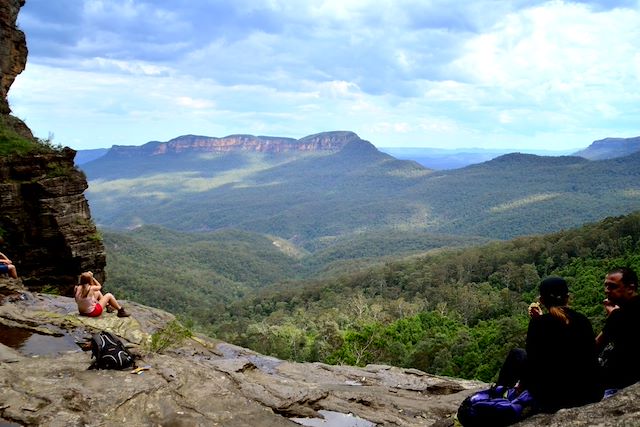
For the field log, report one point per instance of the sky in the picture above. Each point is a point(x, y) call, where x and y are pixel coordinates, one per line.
point(517, 74)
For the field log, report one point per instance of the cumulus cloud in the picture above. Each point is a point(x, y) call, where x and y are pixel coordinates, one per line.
point(404, 72)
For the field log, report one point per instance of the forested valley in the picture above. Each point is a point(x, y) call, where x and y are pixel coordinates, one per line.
point(348, 255)
point(454, 311)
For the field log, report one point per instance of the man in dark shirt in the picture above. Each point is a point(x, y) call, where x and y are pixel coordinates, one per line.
point(619, 341)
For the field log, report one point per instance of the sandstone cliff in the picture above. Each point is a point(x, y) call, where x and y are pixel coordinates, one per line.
point(13, 49)
point(45, 224)
point(45, 220)
point(610, 148)
point(326, 141)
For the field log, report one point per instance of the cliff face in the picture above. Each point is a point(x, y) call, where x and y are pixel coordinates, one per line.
point(45, 224)
point(610, 148)
point(13, 49)
point(45, 220)
point(326, 141)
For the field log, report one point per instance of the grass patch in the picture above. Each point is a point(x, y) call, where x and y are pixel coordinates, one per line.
point(11, 142)
point(534, 198)
point(50, 290)
point(56, 170)
point(171, 335)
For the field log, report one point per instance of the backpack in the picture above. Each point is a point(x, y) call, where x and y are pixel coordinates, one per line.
point(498, 406)
point(109, 352)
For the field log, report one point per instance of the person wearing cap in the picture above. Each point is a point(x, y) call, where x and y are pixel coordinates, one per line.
point(618, 342)
point(559, 366)
point(562, 360)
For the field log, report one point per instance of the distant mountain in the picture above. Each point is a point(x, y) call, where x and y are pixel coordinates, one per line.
point(444, 159)
point(84, 156)
point(521, 194)
point(313, 197)
point(610, 148)
point(300, 195)
point(327, 141)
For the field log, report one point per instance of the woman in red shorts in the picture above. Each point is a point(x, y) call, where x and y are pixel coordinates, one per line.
point(90, 300)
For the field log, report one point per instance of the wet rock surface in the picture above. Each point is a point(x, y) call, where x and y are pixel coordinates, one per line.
point(203, 382)
point(198, 382)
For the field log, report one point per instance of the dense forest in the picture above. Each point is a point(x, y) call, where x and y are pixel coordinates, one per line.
point(451, 311)
point(193, 270)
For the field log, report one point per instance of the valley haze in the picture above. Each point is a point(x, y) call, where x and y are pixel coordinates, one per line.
point(333, 184)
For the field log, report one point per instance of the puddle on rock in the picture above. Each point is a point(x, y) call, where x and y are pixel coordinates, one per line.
point(334, 419)
point(31, 343)
point(265, 364)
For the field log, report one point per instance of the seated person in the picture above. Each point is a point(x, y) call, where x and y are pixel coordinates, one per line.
point(7, 267)
point(560, 365)
point(618, 342)
point(90, 299)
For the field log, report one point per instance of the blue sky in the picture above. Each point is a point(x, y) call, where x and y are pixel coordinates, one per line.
point(400, 73)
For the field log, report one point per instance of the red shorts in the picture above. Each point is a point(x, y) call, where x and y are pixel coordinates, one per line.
point(97, 311)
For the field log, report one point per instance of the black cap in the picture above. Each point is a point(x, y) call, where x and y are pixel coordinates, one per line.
point(554, 290)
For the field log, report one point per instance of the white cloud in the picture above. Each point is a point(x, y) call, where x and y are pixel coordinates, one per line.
point(196, 104)
point(403, 72)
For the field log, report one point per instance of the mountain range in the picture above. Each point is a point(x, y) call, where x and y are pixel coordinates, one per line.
point(440, 158)
point(346, 187)
point(610, 148)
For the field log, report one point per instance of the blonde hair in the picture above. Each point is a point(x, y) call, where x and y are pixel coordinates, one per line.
point(560, 313)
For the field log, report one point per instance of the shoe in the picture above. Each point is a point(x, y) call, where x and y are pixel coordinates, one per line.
point(122, 313)
point(110, 309)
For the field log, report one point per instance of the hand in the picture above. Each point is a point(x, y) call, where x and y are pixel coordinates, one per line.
point(535, 310)
point(609, 306)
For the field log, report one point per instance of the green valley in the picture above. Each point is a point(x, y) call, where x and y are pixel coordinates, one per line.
point(336, 252)
point(447, 311)
point(311, 197)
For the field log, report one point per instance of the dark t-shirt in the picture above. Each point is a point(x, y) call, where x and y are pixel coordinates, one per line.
point(562, 362)
point(621, 355)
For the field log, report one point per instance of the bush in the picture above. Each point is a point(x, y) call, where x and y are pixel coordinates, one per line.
point(172, 335)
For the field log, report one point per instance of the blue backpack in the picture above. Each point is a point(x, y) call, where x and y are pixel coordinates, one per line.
point(498, 406)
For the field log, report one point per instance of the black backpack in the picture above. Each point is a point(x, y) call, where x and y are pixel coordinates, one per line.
point(109, 352)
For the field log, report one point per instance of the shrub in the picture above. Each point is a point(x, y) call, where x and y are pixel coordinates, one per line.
point(172, 335)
